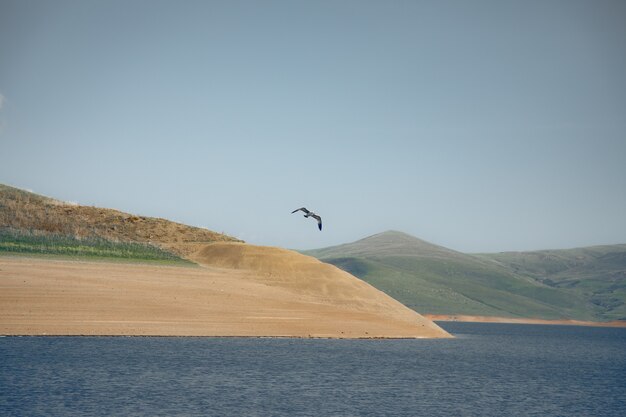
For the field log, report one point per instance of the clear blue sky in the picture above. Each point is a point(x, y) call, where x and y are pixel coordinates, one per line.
point(477, 125)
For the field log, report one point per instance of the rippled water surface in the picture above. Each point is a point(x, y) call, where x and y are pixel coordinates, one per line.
point(488, 370)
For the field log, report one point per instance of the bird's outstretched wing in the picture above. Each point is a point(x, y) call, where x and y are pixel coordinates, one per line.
point(319, 220)
point(301, 209)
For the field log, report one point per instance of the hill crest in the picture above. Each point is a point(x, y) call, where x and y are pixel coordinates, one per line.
point(26, 211)
point(388, 243)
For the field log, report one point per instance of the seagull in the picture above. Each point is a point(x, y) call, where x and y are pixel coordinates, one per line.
point(308, 213)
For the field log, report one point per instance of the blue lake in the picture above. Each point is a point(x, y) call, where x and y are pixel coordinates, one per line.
point(487, 370)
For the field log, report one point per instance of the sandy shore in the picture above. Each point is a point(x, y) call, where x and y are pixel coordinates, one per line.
point(486, 319)
point(239, 290)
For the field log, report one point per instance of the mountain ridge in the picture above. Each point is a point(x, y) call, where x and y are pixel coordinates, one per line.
point(437, 280)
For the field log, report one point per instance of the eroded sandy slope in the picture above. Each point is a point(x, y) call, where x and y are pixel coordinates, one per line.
point(239, 290)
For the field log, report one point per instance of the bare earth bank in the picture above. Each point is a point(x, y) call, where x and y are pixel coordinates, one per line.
point(239, 290)
point(488, 319)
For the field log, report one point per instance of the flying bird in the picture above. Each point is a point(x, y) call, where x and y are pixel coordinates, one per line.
point(308, 213)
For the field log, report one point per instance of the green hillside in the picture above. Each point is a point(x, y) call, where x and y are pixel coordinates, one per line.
point(597, 274)
point(433, 279)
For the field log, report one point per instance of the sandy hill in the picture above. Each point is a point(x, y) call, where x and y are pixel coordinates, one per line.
point(237, 289)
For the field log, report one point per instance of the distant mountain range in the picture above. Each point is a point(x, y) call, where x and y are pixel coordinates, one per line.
point(582, 284)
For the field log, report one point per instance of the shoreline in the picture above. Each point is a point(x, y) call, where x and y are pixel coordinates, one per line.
point(165, 336)
point(511, 320)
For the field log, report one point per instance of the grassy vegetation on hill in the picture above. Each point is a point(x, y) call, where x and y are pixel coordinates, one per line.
point(596, 274)
point(13, 241)
point(437, 280)
point(30, 222)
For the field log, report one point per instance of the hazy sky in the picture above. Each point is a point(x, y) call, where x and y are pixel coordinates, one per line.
point(477, 125)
